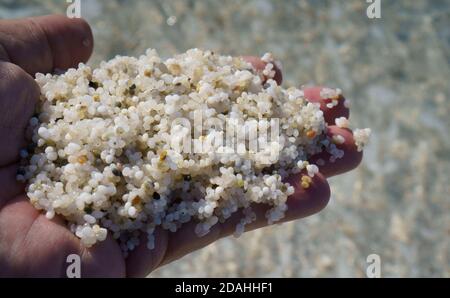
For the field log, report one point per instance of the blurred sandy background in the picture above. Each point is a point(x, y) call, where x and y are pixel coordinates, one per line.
point(396, 72)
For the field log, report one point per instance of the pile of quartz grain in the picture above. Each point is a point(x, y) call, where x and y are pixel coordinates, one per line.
point(103, 158)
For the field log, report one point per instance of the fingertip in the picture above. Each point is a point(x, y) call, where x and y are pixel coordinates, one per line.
point(349, 161)
point(307, 201)
point(259, 65)
point(353, 157)
point(85, 35)
point(313, 94)
point(70, 39)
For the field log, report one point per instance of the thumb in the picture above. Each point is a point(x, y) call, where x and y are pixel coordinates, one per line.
point(28, 46)
point(18, 96)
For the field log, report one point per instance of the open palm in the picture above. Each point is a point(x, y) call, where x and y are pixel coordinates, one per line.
point(32, 245)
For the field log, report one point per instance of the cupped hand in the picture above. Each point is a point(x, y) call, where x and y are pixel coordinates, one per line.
point(33, 246)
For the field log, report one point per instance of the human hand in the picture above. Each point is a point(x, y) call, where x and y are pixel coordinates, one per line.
point(30, 244)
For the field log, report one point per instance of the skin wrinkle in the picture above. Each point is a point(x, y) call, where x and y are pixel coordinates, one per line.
point(14, 162)
point(47, 43)
point(15, 247)
point(215, 234)
point(163, 255)
point(5, 36)
point(33, 226)
point(5, 192)
point(12, 127)
point(164, 235)
point(156, 259)
point(83, 252)
point(3, 53)
point(19, 93)
point(29, 25)
point(20, 98)
point(27, 235)
point(55, 42)
point(67, 248)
